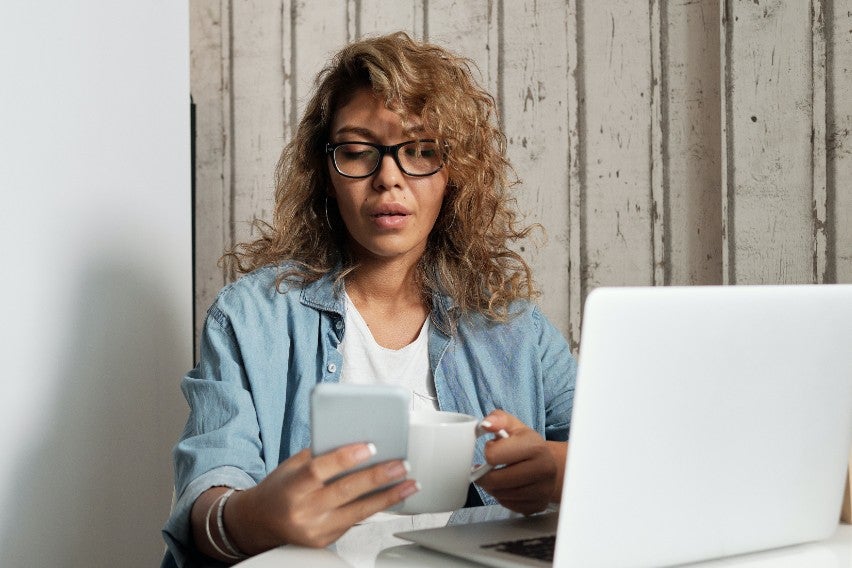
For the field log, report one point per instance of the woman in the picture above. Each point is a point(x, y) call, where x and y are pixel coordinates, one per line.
point(389, 248)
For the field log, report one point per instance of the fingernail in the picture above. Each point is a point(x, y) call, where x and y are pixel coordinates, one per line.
point(365, 452)
point(396, 469)
point(410, 489)
point(486, 423)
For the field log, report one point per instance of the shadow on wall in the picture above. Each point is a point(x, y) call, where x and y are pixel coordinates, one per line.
point(96, 491)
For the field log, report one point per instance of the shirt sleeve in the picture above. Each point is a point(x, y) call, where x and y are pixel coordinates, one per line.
point(220, 444)
point(559, 375)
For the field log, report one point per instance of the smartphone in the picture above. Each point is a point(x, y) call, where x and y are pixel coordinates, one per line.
point(344, 414)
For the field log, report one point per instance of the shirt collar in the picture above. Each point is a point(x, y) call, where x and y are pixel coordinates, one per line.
point(325, 294)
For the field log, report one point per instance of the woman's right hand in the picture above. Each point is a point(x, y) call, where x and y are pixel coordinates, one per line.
point(295, 505)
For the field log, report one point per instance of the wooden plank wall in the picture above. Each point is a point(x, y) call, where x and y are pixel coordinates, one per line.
point(659, 142)
point(838, 81)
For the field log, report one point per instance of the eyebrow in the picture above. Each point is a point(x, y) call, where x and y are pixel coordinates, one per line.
point(367, 133)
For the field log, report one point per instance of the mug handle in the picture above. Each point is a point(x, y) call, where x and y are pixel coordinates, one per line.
point(482, 469)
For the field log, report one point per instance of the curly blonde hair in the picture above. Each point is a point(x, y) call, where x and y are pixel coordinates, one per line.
point(467, 256)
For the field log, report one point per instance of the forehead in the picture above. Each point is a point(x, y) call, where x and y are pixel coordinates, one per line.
point(367, 111)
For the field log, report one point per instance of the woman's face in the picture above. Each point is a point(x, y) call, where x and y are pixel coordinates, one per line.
point(388, 214)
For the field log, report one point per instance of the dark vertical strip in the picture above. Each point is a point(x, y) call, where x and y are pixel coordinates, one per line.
point(294, 71)
point(501, 62)
point(582, 149)
point(653, 206)
point(830, 149)
point(232, 147)
point(352, 16)
point(358, 10)
point(349, 18)
point(568, 168)
point(425, 20)
point(654, 132)
point(815, 229)
point(730, 232)
point(193, 132)
point(664, 142)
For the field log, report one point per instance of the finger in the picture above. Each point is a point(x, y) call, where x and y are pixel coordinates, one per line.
point(331, 464)
point(354, 486)
point(500, 419)
point(518, 476)
point(517, 495)
point(525, 506)
point(539, 492)
point(520, 446)
point(362, 508)
point(340, 519)
point(512, 491)
point(315, 514)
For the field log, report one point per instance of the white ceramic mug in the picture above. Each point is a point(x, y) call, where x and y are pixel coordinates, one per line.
point(440, 453)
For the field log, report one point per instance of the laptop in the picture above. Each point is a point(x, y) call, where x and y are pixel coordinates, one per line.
point(708, 421)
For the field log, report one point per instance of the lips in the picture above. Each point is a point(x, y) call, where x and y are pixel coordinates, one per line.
point(390, 210)
point(390, 217)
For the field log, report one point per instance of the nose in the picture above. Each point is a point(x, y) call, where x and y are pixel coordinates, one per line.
point(388, 175)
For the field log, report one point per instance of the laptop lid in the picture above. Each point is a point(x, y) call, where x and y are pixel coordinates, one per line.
point(708, 421)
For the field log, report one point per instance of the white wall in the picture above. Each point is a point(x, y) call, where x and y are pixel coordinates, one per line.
point(95, 276)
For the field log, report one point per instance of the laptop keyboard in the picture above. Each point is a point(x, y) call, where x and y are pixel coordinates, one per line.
point(538, 547)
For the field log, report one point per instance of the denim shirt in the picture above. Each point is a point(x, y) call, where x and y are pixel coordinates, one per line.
point(263, 350)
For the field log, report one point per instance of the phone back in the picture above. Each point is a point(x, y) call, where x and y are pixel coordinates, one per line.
point(346, 414)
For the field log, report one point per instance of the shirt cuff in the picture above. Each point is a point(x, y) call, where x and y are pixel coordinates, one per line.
point(177, 533)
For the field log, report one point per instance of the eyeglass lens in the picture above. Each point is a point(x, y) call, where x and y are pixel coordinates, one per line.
point(416, 158)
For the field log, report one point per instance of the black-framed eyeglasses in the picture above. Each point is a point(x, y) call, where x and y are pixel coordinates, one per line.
point(417, 158)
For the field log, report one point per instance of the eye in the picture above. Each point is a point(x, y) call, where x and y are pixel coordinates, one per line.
point(356, 152)
point(425, 150)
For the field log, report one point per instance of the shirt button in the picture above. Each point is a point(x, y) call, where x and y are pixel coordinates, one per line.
point(338, 325)
point(331, 367)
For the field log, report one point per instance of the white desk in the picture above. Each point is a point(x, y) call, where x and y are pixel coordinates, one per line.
point(373, 545)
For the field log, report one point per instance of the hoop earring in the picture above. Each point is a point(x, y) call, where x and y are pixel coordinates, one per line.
point(327, 220)
point(452, 218)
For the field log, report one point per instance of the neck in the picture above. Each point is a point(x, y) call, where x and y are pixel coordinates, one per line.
point(388, 298)
point(384, 283)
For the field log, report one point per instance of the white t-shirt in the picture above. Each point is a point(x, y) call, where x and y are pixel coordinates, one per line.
point(367, 362)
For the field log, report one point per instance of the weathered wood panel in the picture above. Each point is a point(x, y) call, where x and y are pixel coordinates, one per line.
point(257, 95)
point(381, 17)
point(617, 236)
point(692, 142)
point(534, 75)
point(317, 30)
point(210, 88)
point(769, 118)
point(656, 144)
point(574, 249)
point(838, 29)
point(470, 29)
point(838, 16)
point(819, 180)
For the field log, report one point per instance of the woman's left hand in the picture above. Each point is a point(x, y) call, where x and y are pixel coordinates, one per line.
point(532, 476)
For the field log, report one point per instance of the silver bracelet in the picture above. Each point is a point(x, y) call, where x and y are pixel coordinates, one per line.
point(220, 523)
point(210, 535)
